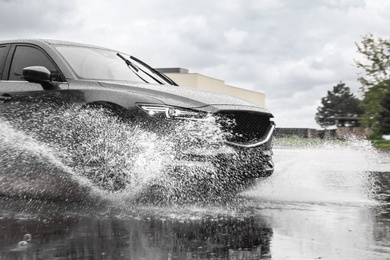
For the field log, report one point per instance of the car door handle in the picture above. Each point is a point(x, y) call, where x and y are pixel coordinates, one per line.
point(5, 97)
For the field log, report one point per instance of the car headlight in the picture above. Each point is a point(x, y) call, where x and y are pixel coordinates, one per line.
point(173, 112)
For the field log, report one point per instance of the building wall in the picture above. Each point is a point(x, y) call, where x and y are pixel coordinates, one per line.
point(347, 132)
point(201, 82)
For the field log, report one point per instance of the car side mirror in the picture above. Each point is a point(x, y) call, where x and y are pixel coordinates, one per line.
point(38, 74)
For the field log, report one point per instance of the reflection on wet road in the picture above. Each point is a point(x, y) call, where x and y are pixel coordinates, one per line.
point(328, 203)
point(142, 233)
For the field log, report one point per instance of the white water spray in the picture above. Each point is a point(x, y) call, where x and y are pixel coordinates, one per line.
point(123, 159)
point(29, 168)
point(327, 172)
point(118, 158)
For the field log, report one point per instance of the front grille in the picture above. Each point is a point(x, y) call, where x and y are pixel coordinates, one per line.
point(244, 127)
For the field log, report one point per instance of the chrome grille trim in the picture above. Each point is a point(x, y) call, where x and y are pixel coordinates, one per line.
point(268, 137)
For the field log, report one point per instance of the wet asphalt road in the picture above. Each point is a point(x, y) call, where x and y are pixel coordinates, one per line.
point(327, 203)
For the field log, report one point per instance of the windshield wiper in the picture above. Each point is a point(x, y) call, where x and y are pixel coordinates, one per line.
point(161, 75)
point(128, 63)
point(156, 72)
point(137, 69)
point(132, 66)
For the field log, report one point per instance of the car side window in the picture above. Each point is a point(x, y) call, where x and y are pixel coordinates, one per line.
point(3, 56)
point(25, 56)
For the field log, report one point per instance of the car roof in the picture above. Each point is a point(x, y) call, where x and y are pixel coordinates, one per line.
point(41, 42)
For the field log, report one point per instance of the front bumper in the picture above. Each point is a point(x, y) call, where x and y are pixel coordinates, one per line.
point(227, 162)
point(243, 161)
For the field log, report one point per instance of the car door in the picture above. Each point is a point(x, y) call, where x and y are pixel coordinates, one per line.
point(22, 100)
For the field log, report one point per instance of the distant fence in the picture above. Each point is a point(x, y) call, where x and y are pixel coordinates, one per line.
point(306, 133)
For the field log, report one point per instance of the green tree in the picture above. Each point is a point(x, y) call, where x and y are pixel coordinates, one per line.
point(373, 105)
point(376, 82)
point(338, 103)
point(376, 52)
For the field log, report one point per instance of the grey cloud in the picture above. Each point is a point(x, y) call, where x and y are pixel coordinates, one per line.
point(22, 17)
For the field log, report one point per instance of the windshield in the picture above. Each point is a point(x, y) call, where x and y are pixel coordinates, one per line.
point(101, 64)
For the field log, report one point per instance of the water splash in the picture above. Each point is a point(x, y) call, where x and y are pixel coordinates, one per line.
point(128, 162)
point(119, 158)
point(30, 169)
point(322, 172)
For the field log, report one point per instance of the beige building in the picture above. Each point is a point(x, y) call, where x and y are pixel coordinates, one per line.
point(197, 81)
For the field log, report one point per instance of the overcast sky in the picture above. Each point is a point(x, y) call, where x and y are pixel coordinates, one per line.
point(291, 50)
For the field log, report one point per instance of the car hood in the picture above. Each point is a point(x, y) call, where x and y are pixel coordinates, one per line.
point(185, 97)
